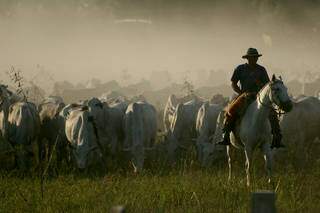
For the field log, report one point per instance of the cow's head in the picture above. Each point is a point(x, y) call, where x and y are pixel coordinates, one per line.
point(137, 153)
point(97, 111)
point(86, 156)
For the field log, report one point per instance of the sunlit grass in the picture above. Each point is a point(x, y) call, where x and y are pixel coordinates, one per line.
point(184, 189)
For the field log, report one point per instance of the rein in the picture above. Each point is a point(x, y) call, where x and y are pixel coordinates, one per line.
point(276, 109)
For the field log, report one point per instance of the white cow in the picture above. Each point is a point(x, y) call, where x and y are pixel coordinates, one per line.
point(171, 105)
point(140, 125)
point(112, 96)
point(205, 127)
point(182, 127)
point(109, 121)
point(19, 125)
point(301, 126)
point(51, 128)
point(81, 134)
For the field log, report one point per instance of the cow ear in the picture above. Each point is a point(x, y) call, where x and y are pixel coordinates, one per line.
point(273, 77)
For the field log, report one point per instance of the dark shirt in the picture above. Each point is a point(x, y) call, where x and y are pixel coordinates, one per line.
point(251, 79)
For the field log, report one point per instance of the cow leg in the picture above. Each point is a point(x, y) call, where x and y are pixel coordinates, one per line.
point(268, 160)
point(41, 149)
point(29, 156)
point(50, 149)
point(301, 154)
point(113, 145)
point(248, 153)
point(229, 162)
point(172, 152)
point(60, 153)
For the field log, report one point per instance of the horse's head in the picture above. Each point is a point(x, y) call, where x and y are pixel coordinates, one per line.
point(279, 94)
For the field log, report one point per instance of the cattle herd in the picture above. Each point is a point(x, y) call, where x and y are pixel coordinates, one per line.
point(96, 130)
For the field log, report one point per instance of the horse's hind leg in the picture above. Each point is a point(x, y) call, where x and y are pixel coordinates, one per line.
point(268, 160)
point(248, 153)
point(229, 162)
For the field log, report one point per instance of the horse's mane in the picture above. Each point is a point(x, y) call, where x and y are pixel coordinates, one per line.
point(268, 84)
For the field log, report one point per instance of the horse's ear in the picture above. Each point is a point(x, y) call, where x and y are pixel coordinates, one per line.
point(273, 77)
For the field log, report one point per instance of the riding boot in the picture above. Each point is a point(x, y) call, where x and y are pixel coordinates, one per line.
point(276, 141)
point(276, 131)
point(229, 123)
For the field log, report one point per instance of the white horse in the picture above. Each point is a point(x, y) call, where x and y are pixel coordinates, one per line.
point(254, 129)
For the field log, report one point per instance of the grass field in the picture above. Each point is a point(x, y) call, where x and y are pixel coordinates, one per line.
point(185, 189)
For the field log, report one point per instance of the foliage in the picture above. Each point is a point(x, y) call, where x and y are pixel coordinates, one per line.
point(18, 81)
point(188, 88)
point(186, 188)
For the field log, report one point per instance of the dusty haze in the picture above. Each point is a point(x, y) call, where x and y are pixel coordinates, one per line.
point(79, 40)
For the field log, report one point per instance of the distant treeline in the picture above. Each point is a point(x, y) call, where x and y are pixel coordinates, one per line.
point(162, 8)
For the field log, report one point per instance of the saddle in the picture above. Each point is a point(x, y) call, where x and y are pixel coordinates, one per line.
point(239, 105)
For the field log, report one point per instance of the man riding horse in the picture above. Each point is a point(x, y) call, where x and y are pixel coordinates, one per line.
point(252, 77)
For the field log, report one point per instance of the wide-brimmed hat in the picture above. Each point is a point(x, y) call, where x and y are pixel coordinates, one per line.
point(251, 52)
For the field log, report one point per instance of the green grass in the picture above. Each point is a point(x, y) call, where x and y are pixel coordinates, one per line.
point(186, 189)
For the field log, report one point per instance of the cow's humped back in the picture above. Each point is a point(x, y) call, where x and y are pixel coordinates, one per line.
point(176, 125)
point(171, 105)
point(53, 99)
point(133, 126)
point(172, 101)
point(207, 119)
point(48, 111)
point(80, 134)
point(66, 110)
point(23, 122)
point(4, 113)
point(140, 123)
point(202, 117)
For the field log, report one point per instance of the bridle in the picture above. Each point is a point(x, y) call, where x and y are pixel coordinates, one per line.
point(270, 106)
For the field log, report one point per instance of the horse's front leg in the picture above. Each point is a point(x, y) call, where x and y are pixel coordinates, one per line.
point(268, 160)
point(229, 162)
point(248, 153)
